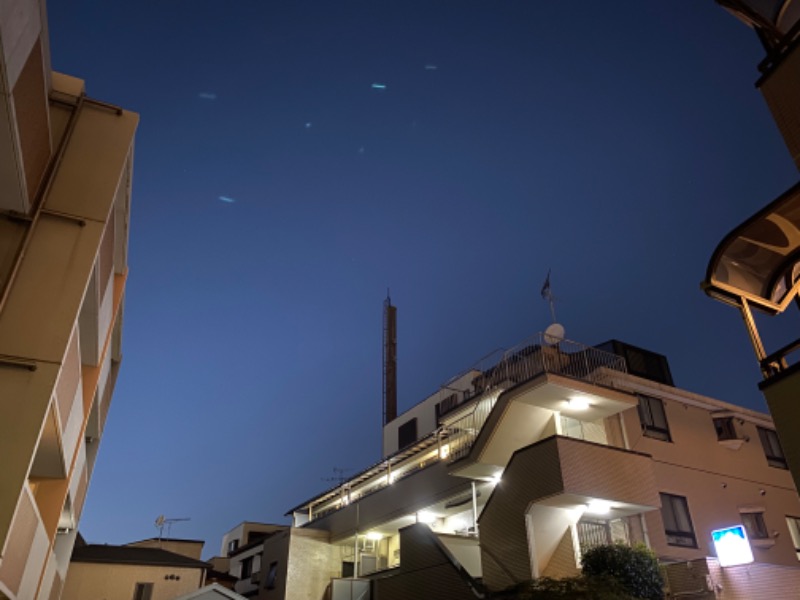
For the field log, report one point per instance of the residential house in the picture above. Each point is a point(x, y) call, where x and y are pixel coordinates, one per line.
point(131, 573)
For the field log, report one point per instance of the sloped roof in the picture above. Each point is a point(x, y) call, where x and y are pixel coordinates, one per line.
point(213, 591)
point(132, 555)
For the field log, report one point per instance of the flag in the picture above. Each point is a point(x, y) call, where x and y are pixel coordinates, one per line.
point(546, 287)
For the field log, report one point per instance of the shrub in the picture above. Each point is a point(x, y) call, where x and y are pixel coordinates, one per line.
point(570, 588)
point(635, 568)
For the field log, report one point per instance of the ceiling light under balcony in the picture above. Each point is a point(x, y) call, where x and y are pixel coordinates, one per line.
point(598, 507)
point(374, 536)
point(578, 403)
point(425, 516)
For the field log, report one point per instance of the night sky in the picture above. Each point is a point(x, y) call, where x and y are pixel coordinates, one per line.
point(297, 158)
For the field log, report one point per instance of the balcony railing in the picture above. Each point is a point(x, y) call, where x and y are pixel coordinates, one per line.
point(524, 362)
point(493, 374)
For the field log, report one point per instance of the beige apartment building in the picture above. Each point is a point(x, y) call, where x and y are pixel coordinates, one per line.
point(65, 181)
point(515, 467)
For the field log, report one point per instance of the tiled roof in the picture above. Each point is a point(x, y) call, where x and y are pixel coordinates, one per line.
point(130, 555)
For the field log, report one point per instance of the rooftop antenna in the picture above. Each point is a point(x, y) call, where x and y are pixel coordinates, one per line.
point(555, 331)
point(338, 475)
point(163, 521)
point(389, 360)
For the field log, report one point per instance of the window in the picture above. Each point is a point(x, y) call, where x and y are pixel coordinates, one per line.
point(677, 522)
point(755, 526)
point(726, 430)
point(772, 448)
point(653, 418)
point(247, 567)
point(271, 576)
point(143, 591)
point(794, 530)
point(232, 546)
point(446, 405)
point(407, 433)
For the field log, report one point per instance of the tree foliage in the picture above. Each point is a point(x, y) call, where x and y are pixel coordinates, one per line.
point(573, 588)
point(635, 567)
point(610, 572)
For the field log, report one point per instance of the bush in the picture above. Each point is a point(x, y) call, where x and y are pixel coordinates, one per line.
point(635, 568)
point(571, 588)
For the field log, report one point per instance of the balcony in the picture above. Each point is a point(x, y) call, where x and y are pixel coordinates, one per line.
point(557, 486)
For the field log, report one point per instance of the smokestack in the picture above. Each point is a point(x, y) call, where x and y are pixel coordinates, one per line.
point(389, 361)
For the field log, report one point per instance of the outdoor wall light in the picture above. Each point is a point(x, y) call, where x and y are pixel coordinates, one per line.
point(425, 516)
point(578, 403)
point(598, 507)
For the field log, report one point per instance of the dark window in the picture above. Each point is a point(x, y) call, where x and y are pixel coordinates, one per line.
point(677, 522)
point(446, 405)
point(726, 430)
point(407, 433)
point(348, 568)
point(247, 567)
point(272, 575)
point(143, 591)
point(653, 418)
point(772, 448)
point(232, 546)
point(755, 526)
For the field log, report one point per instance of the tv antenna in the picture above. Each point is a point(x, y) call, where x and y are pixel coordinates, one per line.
point(163, 521)
point(338, 475)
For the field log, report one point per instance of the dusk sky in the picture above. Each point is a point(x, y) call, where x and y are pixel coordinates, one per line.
point(297, 158)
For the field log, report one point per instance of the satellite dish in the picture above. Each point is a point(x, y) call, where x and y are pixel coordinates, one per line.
point(554, 333)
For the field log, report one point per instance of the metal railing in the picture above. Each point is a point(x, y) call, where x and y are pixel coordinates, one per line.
point(496, 372)
point(507, 368)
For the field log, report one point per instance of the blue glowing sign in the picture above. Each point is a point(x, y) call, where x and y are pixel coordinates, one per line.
point(732, 546)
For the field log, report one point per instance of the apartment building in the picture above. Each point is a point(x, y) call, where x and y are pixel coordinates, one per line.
point(516, 466)
point(65, 181)
point(755, 267)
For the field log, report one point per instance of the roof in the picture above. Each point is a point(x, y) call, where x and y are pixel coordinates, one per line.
point(759, 261)
point(132, 555)
point(214, 591)
point(166, 539)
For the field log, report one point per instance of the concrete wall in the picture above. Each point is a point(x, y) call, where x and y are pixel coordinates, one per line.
point(118, 582)
point(427, 570)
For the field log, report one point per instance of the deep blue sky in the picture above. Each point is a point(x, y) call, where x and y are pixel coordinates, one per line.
point(614, 143)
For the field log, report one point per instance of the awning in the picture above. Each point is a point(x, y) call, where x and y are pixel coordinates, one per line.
point(760, 259)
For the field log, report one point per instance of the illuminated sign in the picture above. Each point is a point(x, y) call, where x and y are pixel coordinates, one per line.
point(732, 546)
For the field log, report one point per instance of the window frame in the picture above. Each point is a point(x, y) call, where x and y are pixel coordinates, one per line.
point(409, 425)
point(246, 569)
point(272, 576)
point(757, 528)
point(143, 590)
point(650, 428)
point(725, 428)
point(770, 442)
point(672, 500)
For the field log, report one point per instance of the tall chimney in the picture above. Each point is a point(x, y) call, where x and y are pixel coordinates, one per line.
point(389, 361)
